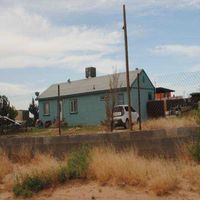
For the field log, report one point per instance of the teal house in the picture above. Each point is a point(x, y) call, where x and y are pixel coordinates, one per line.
point(82, 102)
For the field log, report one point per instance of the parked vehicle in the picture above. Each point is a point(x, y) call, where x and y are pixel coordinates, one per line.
point(121, 116)
point(8, 125)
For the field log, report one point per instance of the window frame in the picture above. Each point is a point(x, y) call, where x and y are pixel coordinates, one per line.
point(45, 110)
point(122, 98)
point(73, 106)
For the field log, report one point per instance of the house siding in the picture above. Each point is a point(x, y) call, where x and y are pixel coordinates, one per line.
point(91, 109)
point(146, 89)
point(52, 110)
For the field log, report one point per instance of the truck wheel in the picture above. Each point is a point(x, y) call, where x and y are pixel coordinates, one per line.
point(126, 125)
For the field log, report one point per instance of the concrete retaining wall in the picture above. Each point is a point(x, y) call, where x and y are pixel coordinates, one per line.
point(154, 142)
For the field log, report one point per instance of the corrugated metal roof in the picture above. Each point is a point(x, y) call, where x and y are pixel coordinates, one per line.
point(94, 84)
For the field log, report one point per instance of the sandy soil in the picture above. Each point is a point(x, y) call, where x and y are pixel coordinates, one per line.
point(94, 191)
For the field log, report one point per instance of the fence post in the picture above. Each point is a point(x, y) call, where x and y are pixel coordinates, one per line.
point(59, 110)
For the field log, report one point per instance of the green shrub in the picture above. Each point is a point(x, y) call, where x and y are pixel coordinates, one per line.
point(36, 183)
point(62, 174)
point(30, 184)
point(195, 151)
point(18, 190)
point(78, 163)
point(76, 167)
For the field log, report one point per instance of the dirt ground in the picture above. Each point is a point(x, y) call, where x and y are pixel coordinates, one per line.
point(94, 191)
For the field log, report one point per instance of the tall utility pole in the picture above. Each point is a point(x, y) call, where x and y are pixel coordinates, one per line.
point(59, 106)
point(127, 67)
point(139, 101)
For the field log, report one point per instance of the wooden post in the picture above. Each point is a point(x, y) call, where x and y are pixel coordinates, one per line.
point(59, 110)
point(1, 123)
point(127, 67)
point(139, 101)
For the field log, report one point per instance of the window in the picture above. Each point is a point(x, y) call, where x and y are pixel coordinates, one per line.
point(149, 96)
point(73, 106)
point(120, 99)
point(46, 108)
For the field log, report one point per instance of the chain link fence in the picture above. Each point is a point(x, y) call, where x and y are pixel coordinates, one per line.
point(175, 93)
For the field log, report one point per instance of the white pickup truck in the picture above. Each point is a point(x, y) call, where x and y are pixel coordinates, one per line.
point(121, 116)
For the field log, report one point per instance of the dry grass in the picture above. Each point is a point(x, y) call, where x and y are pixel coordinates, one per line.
point(128, 168)
point(163, 183)
point(169, 123)
point(110, 167)
point(22, 155)
point(27, 164)
point(192, 175)
point(183, 151)
point(6, 166)
point(161, 123)
point(41, 164)
point(79, 130)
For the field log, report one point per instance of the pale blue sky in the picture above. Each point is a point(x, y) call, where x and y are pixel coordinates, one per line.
point(44, 42)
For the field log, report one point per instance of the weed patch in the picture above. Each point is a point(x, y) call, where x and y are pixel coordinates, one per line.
point(6, 166)
point(62, 174)
point(78, 163)
point(31, 184)
point(18, 190)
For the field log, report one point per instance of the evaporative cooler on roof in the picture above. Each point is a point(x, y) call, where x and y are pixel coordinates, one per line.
point(90, 72)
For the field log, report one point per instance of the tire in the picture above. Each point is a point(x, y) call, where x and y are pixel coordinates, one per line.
point(126, 124)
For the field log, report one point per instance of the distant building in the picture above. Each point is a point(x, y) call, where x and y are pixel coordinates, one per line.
point(83, 101)
point(163, 93)
point(22, 115)
point(195, 99)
